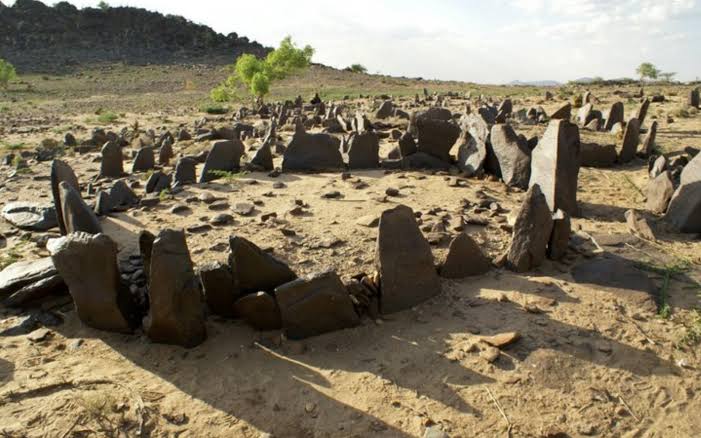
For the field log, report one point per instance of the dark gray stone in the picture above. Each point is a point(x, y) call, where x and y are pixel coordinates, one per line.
point(30, 216)
point(225, 156)
point(24, 273)
point(596, 155)
point(255, 270)
point(684, 211)
point(77, 216)
point(615, 116)
point(312, 152)
point(185, 172)
point(631, 138)
point(144, 160)
point(111, 165)
point(532, 231)
point(513, 155)
point(157, 182)
point(220, 292)
point(437, 137)
point(61, 172)
point(259, 310)
point(363, 151)
point(464, 259)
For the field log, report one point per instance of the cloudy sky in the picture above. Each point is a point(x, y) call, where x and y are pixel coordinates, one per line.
point(493, 41)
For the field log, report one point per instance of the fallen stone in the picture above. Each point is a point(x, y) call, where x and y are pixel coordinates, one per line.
point(532, 231)
point(437, 137)
point(30, 216)
point(596, 155)
point(648, 147)
point(464, 259)
point(259, 310)
point(36, 291)
point(563, 113)
point(263, 158)
point(24, 273)
point(314, 306)
point(560, 236)
point(404, 262)
point(157, 182)
point(407, 145)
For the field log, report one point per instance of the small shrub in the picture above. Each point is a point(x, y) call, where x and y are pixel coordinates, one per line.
point(107, 117)
point(357, 68)
point(215, 109)
point(229, 177)
point(7, 73)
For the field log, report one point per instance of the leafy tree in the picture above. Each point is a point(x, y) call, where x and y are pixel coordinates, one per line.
point(667, 76)
point(258, 74)
point(103, 5)
point(7, 73)
point(647, 70)
point(357, 68)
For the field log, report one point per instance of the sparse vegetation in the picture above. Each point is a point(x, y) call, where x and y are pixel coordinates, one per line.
point(682, 112)
point(12, 146)
point(107, 117)
point(7, 73)
point(214, 109)
point(229, 177)
point(692, 337)
point(258, 74)
point(357, 68)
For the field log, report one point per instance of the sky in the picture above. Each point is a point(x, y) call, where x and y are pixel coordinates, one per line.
point(486, 41)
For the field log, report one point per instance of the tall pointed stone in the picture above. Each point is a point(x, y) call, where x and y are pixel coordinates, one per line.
point(513, 154)
point(61, 172)
point(363, 151)
point(77, 216)
point(144, 160)
point(615, 115)
point(532, 232)
point(648, 147)
point(631, 138)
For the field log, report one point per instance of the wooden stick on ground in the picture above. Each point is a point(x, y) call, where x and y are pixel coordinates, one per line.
point(501, 411)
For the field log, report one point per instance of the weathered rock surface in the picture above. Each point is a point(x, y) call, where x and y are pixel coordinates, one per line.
point(436, 137)
point(659, 192)
point(513, 155)
point(464, 259)
point(30, 216)
point(631, 138)
point(615, 116)
point(312, 152)
point(77, 216)
point(259, 310)
point(596, 155)
point(219, 289)
point(363, 151)
point(144, 160)
point(185, 172)
point(684, 211)
point(225, 156)
point(112, 165)
point(24, 273)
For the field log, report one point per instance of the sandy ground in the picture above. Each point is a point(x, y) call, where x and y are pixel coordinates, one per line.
point(590, 362)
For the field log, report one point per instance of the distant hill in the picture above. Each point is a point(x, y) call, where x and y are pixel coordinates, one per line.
point(536, 83)
point(39, 38)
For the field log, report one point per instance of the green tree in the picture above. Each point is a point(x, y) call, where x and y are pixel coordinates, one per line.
point(258, 74)
point(647, 70)
point(7, 73)
point(357, 68)
point(667, 76)
point(103, 5)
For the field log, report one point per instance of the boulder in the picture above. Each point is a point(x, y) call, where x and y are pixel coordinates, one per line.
point(615, 116)
point(144, 160)
point(532, 231)
point(185, 172)
point(684, 211)
point(259, 310)
point(30, 216)
point(77, 216)
point(61, 172)
point(659, 192)
point(255, 270)
point(314, 306)
point(464, 259)
point(363, 151)
point(555, 166)
point(513, 155)
point(225, 156)
point(176, 309)
point(631, 138)
point(437, 137)
point(111, 165)
point(219, 289)
point(88, 265)
point(312, 152)
point(404, 262)
point(596, 155)
point(36, 291)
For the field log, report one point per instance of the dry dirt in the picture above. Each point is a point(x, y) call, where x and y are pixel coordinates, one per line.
point(590, 362)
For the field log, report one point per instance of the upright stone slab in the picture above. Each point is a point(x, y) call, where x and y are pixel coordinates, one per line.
point(465, 259)
point(405, 262)
point(185, 172)
point(631, 138)
point(555, 166)
point(176, 310)
point(659, 192)
point(255, 270)
point(220, 292)
point(112, 165)
point(615, 115)
point(532, 232)
point(386, 110)
point(144, 160)
point(693, 99)
point(225, 156)
point(364, 151)
point(157, 182)
point(642, 111)
point(437, 137)
point(472, 153)
point(88, 265)
point(263, 158)
point(648, 147)
point(165, 154)
point(563, 113)
point(314, 306)
point(407, 144)
point(77, 216)
point(513, 154)
point(684, 211)
point(61, 172)
point(312, 152)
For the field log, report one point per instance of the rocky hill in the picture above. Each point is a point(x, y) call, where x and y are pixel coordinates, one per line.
point(40, 38)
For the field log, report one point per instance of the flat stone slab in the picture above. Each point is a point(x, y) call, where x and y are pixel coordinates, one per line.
point(30, 216)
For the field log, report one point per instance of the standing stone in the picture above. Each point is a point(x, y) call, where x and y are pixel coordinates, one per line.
point(631, 138)
point(657, 167)
point(61, 172)
point(404, 261)
point(694, 100)
point(157, 182)
point(555, 166)
point(563, 113)
point(263, 158)
point(472, 153)
point(165, 154)
point(312, 152)
point(111, 165)
point(464, 259)
point(185, 169)
point(584, 115)
point(219, 289)
point(386, 110)
point(363, 151)
point(437, 137)
point(144, 160)
point(615, 116)
point(259, 310)
point(407, 144)
point(532, 231)
point(684, 211)
point(88, 265)
point(255, 270)
point(225, 156)
point(77, 216)
point(314, 306)
point(659, 192)
point(649, 141)
point(176, 310)
point(642, 111)
point(513, 154)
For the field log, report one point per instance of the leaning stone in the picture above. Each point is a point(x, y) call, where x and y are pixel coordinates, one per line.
point(363, 152)
point(472, 154)
point(693, 100)
point(314, 306)
point(532, 231)
point(157, 182)
point(220, 292)
point(386, 110)
point(61, 172)
point(464, 259)
point(563, 113)
point(615, 116)
point(225, 156)
point(30, 216)
point(659, 192)
point(513, 154)
point(176, 307)
point(649, 141)
point(111, 165)
point(684, 211)
point(642, 111)
point(259, 310)
point(88, 265)
point(255, 270)
point(555, 166)
point(404, 262)
point(631, 138)
point(312, 152)
point(76, 214)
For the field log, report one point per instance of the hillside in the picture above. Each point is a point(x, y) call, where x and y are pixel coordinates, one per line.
point(39, 38)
